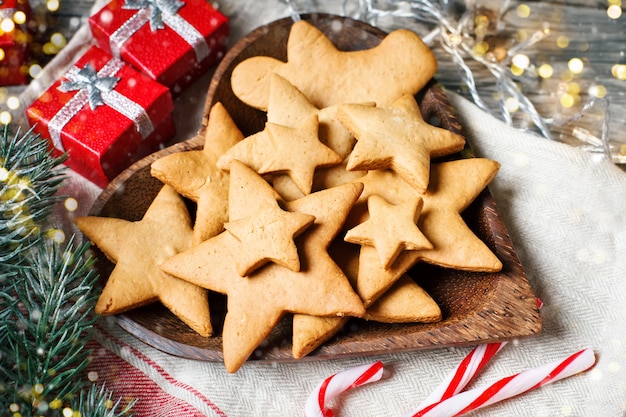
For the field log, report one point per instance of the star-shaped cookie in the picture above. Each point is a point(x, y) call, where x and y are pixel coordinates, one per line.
point(289, 107)
point(396, 137)
point(453, 186)
point(194, 174)
point(137, 249)
point(404, 302)
point(282, 149)
point(401, 64)
point(257, 303)
point(263, 228)
point(390, 228)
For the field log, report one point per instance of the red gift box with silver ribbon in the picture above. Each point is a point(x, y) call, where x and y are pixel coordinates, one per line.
point(14, 41)
point(171, 41)
point(105, 114)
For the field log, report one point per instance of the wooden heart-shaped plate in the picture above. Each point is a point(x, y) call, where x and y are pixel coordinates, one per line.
point(476, 307)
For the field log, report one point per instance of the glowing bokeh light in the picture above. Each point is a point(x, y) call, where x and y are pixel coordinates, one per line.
point(13, 103)
point(545, 71)
point(7, 25)
point(19, 17)
point(523, 10)
point(576, 65)
point(614, 11)
point(598, 91)
point(619, 71)
point(562, 41)
point(52, 5)
point(5, 117)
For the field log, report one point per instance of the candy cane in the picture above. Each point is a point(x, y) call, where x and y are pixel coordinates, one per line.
point(510, 386)
point(463, 373)
point(338, 383)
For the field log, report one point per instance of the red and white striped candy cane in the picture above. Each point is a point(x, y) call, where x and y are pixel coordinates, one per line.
point(510, 386)
point(338, 383)
point(463, 373)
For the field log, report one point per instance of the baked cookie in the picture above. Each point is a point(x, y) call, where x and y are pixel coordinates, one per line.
point(401, 64)
point(137, 249)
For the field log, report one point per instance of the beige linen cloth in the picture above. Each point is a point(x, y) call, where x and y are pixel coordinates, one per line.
point(566, 213)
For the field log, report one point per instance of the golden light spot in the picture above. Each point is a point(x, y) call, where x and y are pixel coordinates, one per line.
point(2, 54)
point(14, 408)
point(34, 70)
point(5, 117)
point(562, 41)
point(567, 76)
point(19, 17)
point(13, 103)
point(545, 71)
point(511, 104)
point(7, 25)
point(49, 48)
point(573, 89)
point(598, 91)
point(67, 412)
point(619, 71)
point(523, 10)
point(58, 40)
point(481, 48)
point(38, 389)
point(521, 61)
point(567, 100)
point(56, 235)
point(515, 70)
point(52, 5)
point(614, 11)
point(55, 404)
point(576, 65)
point(70, 204)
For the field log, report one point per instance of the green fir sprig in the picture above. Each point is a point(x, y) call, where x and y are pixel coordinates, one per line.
point(47, 293)
point(30, 177)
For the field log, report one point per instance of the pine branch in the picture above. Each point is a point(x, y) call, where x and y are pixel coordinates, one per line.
point(48, 318)
point(98, 403)
point(30, 177)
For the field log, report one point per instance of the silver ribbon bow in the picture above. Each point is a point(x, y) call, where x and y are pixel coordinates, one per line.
point(96, 89)
point(158, 13)
point(87, 79)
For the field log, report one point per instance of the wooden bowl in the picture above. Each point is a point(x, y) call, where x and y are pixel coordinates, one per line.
point(477, 307)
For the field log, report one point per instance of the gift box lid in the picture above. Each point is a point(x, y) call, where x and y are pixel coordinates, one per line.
point(165, 39)
point(98, 105)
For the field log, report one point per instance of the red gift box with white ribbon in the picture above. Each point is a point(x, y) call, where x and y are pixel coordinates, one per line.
point(171, 41)
point(14, 41)
point(105, 114)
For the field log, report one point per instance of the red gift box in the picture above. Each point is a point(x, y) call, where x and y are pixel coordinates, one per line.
point(105, 114)
point(171, 41)
point(14, 43)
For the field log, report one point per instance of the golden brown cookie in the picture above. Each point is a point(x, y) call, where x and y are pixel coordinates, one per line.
point(396, 137)
point(137, 250)
point(287, 106)
point(257, 303)
point(296, 152)
point(404, 302)
point(194, 174)
point(263, 228)
point(401, 64)
point(390, 228)
point(453, 186)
